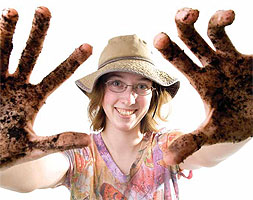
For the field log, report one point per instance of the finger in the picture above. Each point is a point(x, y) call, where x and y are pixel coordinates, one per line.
point(7, 26)
point(64, 70)
point(216, 31)
point(185, 19)
point(172, 52)
point(34, 43)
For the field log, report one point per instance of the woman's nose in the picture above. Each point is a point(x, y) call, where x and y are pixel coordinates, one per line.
point(129, 96)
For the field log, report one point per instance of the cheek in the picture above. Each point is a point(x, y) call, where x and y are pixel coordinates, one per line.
point(146, 103)
point(108, 100)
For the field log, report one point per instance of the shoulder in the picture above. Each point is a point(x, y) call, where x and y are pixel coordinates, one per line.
point(167, 136)
point(79, 154)
point(162, 137)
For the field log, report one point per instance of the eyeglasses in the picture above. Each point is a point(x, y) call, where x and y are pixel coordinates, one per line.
point(118, 86)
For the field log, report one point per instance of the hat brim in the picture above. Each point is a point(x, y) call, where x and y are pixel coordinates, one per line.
point(143, 68)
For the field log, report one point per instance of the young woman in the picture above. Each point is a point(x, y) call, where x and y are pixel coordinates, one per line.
point(125, 159)
point(129, 156)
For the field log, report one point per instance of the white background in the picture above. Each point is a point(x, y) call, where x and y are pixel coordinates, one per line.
point(94, 22)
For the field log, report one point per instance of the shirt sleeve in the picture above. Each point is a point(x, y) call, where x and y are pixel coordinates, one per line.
point(165, 139)
point(79, 160)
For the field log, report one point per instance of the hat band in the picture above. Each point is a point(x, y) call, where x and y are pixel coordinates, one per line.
point(124, 58)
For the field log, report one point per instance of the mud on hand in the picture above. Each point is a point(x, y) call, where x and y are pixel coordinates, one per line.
point(224, 81)
point(20, 100)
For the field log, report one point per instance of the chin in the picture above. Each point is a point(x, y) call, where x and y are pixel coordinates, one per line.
point(126, 128)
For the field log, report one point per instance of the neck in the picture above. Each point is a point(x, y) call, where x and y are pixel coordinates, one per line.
point(122, 141)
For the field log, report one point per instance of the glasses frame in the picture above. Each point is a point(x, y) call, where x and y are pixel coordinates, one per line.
point(134, 87)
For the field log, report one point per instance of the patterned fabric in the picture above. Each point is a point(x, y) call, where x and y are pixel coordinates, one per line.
point(93, 174)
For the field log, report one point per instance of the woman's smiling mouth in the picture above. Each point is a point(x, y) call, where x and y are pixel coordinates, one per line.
point(125, 112)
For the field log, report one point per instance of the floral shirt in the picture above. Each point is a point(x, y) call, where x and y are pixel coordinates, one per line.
point(93, 174)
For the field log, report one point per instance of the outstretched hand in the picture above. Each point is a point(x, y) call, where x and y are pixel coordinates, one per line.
point(224, 82)
point(20, 100)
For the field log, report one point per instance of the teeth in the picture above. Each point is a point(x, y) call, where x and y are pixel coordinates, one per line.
point(125, 112)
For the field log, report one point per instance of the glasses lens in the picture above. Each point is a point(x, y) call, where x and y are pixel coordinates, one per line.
point(143, 89)
point(144, 92)
point(116, 86)
point(119, 86)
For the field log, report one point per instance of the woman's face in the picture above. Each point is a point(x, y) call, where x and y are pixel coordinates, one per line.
point(125, 110)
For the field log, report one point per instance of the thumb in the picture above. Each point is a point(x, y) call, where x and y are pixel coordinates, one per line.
point(37, 147)
point(61, 142)
point(185, 146)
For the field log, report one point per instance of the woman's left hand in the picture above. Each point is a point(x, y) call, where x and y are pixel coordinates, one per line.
point(224, 82)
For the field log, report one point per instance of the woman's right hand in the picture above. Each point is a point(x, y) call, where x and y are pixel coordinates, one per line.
point(20, 100)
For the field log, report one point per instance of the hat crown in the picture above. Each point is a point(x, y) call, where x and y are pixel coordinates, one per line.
point(128, 54)
point(129, 46)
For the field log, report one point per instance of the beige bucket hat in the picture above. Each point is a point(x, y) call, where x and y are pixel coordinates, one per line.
point(128, 54)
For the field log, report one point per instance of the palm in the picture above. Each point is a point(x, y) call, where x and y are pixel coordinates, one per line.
point(21, 100)
point(224, 82)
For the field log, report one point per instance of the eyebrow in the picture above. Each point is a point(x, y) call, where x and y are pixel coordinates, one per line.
point(119, 76)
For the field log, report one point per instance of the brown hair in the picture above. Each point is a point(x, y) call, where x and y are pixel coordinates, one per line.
point(150, 121)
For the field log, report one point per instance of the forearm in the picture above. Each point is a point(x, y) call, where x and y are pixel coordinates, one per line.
point(41, 173)
point(211, 155)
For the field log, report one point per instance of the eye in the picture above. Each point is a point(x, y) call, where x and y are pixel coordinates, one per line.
point(143, 86)
point(116, 83)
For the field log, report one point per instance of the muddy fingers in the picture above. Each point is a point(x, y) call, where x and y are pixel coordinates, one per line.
point(217, 34)
point(224, 83)
point(64, 70)
point(34, 44)
point(174, 54)
point(185, 19)
point(7, 27)
point(20, 100)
